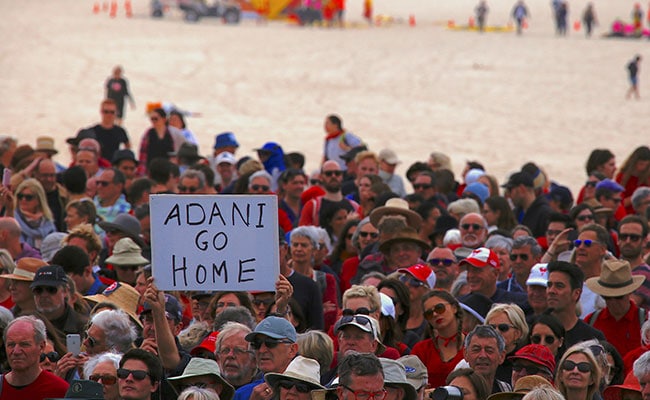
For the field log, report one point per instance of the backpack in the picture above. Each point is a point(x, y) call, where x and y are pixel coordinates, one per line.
point(643, 316)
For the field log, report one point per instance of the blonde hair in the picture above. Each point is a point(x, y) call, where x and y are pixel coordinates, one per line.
point(366, 154)
point(195, 393)
point(36, 187)
point(317, 345)
point(87, 233)
point(515, 315)
point(366, 292)
point(595, 370)
point(543, 392)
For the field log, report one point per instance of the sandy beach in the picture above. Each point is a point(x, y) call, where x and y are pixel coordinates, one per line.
point(494, 97)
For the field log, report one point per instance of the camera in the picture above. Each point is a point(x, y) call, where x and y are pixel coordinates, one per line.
point(446, 393)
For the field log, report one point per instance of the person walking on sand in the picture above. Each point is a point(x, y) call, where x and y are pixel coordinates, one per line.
point(520, 13)
point(589, 18)
point(633, 69)
point(117, 88)
point(481, 12)
point(637, 18)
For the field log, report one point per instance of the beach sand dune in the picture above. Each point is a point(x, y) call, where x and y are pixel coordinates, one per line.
point(497, 98)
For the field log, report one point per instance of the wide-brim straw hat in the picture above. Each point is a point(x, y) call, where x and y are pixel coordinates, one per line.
point(396, 206)
point(615, 279)
point(46, 145)
point(406, 235)
point(302, 369)
point(123, 295)
point(25, 270)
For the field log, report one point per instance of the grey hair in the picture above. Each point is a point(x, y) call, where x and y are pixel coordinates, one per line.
point(307, 231)
point(196, 393)
point(324, 237)
point(521, 241)
point(499, 242)
point(40, 333)
point(355, 235)
point(7, 261)
point(92, 362)
point(645, 333)
point(373, 274)
point(543, 392)
point(466, 206)
point(229, 329)
point(486, 332)
point(459, 283)
point(5, 317)
point(239, 314)
point(120, 332)
point(260, 174)
point(639, 195)
point(641, 366)
point(192, 174)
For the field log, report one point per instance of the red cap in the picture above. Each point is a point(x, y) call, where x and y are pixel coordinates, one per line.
point(208, 344)
point(615, 392)
point(482, 257)
point(537, 354)
point(422, 273)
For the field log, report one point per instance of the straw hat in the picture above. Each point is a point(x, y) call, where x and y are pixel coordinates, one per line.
point(615, 279)
point(126, 252)
point(523, 386)
point(123, 295)
point(25, 270)
point(46, 145)
point(302, 369)
point(406, 235)
point(396, 206)
point(201, 367)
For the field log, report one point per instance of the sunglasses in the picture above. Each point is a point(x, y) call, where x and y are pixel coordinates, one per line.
point(138, 375)
point(108, 111)
point(503, 328)
point(437, 261)
point(583, 218)
point(633, 237)
point(28, 197)
point(537, 339)
point(346, 319)
point(268, 342)
point(300, 387)
point(154, 119)
point(105, 379)
point(190, 189)
point(266, 302)
point(411, 281)
point(586, 242)
point(53, 356)
point(263, 188)
point(48, 289)
point(418, 186)
point(582, 366)
point(439, 308)
point(513, 257)
point(102, 183)
point(314, 182)
point(591, 183)
point(332, 173)
point(360, 310)
point(373, 235)
point(616, 200)
point(530, 370)
point(131, 268)
point(475, 227)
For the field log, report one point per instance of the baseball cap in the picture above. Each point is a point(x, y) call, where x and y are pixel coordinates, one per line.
point(49, 275)
point(519, 178)
point(421, 272)
point(172, 308)
point(389, 156)
point(538, 275)
point(538, 354)
point(225, 157)
point(482, 257)
point(275, 328)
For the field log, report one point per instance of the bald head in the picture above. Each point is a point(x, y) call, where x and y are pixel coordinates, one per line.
point(330, 165)
point(10, 226)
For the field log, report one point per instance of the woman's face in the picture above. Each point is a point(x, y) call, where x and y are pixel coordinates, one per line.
point(490, 215)
point(504, 262)
point(48, 364)
point(504, 326)
point(72, 218)
point(609, 168)
point(338, 221)
point(227, 300)
point(367, 234)
point(28, 201)
point(463, 382)
point(364, 188)
point(641, 166)
point(175, 121)
point(574, 378)
point(542, 334)
point(440, 313)
point(106, 373)
point(585, 217)
point(157, 120)
point(349, 248)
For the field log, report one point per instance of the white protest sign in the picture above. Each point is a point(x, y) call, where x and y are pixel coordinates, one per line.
point(214, 242)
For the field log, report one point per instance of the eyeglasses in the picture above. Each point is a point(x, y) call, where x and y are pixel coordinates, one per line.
point(268, 342)
point(49, 289)
point(418, 186)
point(411, 281)
point(373, 235)
point(137, 374)
point(537, 339)
point(513, 257)
point(360, 310)
point(221, 304)
point(569, 365)
point(92, 342)
point(154, 119)
point(263, 188)
point(237, 351)
point(586, 242)
point(530, 369)
point(53, 356)
point(300, 387)
point(363, 395)
point(332, 173)
point(503, 328)
point(591, 183)
point(105, 379)
point(266, 302)
point(189, 189)
point(437, 261)
point(28, 197)
point(583, 218)
point(439, 308)
point(108, 111)
point(102, 183)
point(475, 227)
point(633, 237)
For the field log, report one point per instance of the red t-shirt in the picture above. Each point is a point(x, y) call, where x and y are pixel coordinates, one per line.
point(47, 385)
point(438, 370)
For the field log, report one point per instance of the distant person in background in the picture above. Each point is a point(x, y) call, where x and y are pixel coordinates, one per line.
point(481, 13)
point(117, 88)
point(520, 13)
point(633, 70)
point(589, 18)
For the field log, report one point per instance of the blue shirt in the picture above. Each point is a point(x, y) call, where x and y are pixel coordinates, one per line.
point(244, 392)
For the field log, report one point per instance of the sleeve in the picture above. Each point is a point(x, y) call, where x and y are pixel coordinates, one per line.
point(142, 157)
point(306, 214)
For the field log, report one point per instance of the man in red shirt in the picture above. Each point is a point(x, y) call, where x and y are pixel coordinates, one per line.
point(621, 320)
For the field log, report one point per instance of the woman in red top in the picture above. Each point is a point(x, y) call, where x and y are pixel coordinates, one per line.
point(442, 352)
point(634, 172)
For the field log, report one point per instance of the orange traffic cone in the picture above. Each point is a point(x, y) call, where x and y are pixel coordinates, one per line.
point(113, 12)
point(127, 7)
point(411, 20)
point(96, 8)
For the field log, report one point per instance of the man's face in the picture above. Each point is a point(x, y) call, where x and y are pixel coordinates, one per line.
point(107, 369)
point(589, 255)
point(443, 262)
point(126, 273)
point(472, 231)
point(361, 384)
point(133, 389)
point(537, 297)
point(88, 161)
point(483, 356)
point(611, 201)
point(106, 188)
point(108, 112)
point(559, 295)
point(367, 166)
point(554, 229)
point(384, 166)
point(522, 260)
point(482, 280)
point(22, 350)
point(49, 299)
point(422, 186)
point(630, 240)
point(95, 341)
point(394, 392)
point(618, 305)
point(403, 254)
point(149, 329)
point(127, 167)
point(190, 185)
point(236, 361)
point(274, 358)
point(226, 171)
point(295, 186)
point(259, 185)
point(332, 177)
point(46, 175)
point(517, 195)
point(20, 291)
point(351, 338)
point(302, 250)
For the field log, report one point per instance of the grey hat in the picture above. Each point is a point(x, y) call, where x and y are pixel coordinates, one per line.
point(274, 327)
point(51, 244)
point(200, 367)
point(395, 374)
point(416, 371)
point(126, 252)
point(124, 223)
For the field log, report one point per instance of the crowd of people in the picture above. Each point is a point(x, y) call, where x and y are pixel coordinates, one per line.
point(390, 287)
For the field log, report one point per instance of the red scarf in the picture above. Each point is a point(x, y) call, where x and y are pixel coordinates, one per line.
point(333, 135)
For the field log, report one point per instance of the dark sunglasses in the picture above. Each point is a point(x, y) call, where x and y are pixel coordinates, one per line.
point(314, 182)
point(591, 183)
point(503, 328)
point(582, 366)
point(190, 189)
point(48, 289)
point(373, 235)
point(154, 119)
point(138, 375)
point(513, 257)
point(268, 342)
point(102, 183)
point(583, 218)
point(444, 261)
point(346, 319)
point(28, 197)
point(332, 173)
point(266, 302)
point(105, 379)
point(537, 339)
point(633, 237)
point(300, 387)
point(360, 310)
point(417, 186)
point(128, 267)
point(614, 199)
point(53, 356)
point(411, 281)
point(475, 227)
point(530, 370)
point(263, 188)
point(437, 309)
point(108, 111)
point(586, 242)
